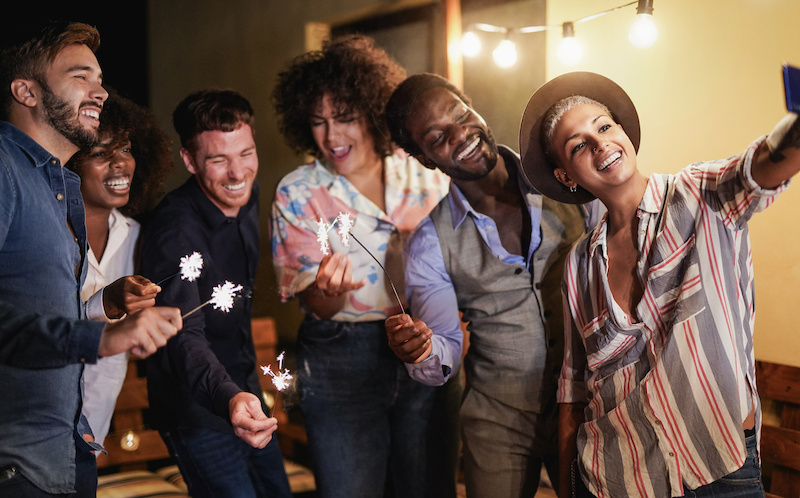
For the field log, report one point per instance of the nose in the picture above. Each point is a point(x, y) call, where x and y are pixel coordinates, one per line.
point(98, 93)
point(118, 159)
point(331, 130)
point(457, 133)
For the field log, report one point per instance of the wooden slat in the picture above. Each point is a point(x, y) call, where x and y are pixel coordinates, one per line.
point(779, 382)
point(264, 332)
point(133, 395)
point(785, 483)
point(781, 446)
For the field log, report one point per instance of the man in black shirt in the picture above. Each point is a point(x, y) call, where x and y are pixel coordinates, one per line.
point(203, 387)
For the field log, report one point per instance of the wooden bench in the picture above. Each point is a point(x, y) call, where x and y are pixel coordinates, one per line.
point(779, 388)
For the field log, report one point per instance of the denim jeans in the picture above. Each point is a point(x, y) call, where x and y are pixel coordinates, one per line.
point(217, 464)
point(742, 483)
point(365, 417)
point(13, 483)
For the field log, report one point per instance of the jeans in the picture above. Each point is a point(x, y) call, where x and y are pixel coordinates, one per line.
point(366, 419)
point(218, 464)
point(742, 483)
point(13, 483)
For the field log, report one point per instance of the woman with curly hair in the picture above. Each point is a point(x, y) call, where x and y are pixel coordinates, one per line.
point(129, 140)
point(366, 419)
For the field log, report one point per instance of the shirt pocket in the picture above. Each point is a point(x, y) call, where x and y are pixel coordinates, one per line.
point(609, 347)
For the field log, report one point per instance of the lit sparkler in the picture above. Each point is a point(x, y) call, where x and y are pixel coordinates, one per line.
point(221, 297)
point(191, 267)
point(345, 225)
point(282, 377)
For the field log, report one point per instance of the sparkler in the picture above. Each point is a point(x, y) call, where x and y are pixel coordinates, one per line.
point(345, 225)
point(221, 297)
point(191, 267)
point(282, 377)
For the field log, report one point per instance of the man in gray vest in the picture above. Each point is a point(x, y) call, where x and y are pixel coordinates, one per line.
point(493, 249)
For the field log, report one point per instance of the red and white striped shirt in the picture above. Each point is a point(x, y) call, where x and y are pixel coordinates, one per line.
point(667, 395)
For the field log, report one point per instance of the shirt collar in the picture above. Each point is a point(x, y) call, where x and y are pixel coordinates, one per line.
point(39, 156)
point(460, 207)
point(209, 211)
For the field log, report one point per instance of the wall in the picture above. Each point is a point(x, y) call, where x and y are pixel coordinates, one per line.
point(708, 87)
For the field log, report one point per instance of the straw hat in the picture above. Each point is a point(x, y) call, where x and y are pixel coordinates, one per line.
point(535, 164)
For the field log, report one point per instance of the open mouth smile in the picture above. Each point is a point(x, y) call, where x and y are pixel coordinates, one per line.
point(469, 149)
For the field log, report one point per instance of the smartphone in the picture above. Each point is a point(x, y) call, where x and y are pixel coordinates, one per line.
point(791, 86)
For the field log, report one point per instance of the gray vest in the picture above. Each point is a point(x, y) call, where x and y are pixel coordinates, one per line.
point(515, 319)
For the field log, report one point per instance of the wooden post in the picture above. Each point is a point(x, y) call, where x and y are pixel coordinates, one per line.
point(455, 61)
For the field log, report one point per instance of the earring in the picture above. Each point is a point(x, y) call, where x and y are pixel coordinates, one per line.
point(572, 189)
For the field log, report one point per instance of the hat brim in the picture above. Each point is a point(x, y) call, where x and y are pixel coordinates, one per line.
point(535, 164)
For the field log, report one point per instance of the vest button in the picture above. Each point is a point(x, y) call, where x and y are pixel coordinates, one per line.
point(538, 285)
point(517, 271)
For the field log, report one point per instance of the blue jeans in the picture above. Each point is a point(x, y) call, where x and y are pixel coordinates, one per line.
point(745, 482)
point(217, 464)
point(366, 419)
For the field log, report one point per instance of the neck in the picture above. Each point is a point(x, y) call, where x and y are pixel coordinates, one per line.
point(498, 187)
point(45, 135)
point(622, 203)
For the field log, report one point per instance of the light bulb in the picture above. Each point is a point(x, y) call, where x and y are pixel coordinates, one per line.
point(570, 51)
point(643, 32)
point(505, 55)
point(470, 44)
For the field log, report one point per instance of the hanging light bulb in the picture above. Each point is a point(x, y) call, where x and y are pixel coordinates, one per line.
point(470, 44)
point(569, 51)
point(505, 55)
point(643, 32)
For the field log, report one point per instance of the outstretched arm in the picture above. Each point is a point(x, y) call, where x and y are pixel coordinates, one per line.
point(778, 158)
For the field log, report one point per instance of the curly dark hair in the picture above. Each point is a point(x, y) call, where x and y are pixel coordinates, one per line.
point(402, 102)
point(151, 148)
point(358, 75)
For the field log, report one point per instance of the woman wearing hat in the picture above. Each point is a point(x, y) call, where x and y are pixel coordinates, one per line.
point(658, 387)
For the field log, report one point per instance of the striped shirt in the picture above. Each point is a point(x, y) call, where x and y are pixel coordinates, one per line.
point(667, 395)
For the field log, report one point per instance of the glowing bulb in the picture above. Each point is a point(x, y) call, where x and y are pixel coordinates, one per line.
point(470, 44)
point(505, 55)
point(570, 51)
point(643, 32)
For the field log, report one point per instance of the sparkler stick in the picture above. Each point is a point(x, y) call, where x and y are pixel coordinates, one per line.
point(191, 266)
point(345, 224)
point(221, 297)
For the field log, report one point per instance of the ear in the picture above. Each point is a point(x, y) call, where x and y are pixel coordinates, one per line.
point(562, 176)
point(188, 160)
point(23, 92)
point(423, 160)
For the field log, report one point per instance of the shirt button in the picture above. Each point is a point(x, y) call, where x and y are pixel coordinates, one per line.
point(671, 454)
point(59, 196)
point(53, 161)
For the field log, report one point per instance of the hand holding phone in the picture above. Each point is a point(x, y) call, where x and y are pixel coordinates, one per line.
point(791, 86)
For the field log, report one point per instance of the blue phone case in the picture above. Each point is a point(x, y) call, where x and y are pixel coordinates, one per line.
point(791, 86)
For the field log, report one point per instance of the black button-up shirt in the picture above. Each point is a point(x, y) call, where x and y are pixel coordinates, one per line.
point(192, 379)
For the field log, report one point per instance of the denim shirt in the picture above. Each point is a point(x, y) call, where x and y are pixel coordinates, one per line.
point(43, 344)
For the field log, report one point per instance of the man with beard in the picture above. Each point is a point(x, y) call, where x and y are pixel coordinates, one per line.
point(50, 107)
point(493, 249)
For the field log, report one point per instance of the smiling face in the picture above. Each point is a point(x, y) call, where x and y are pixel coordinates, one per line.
point(593, 151)
point(72, 95)
point(106, 174)
point(343, 138)
point(225, 165)
point(451, 135)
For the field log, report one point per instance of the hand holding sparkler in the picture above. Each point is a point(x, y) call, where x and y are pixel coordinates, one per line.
point(409, 338)
point(345, 226)
point(249, 421)
point(141, 332)
point(129, 294)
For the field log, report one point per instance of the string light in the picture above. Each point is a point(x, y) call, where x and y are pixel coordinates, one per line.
point(570, 51)
point(643, 33)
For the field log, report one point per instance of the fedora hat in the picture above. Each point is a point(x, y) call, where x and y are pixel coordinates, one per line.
point(537, 167)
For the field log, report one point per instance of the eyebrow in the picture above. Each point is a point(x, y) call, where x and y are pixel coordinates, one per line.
point(575, 135)
point(448, 111)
